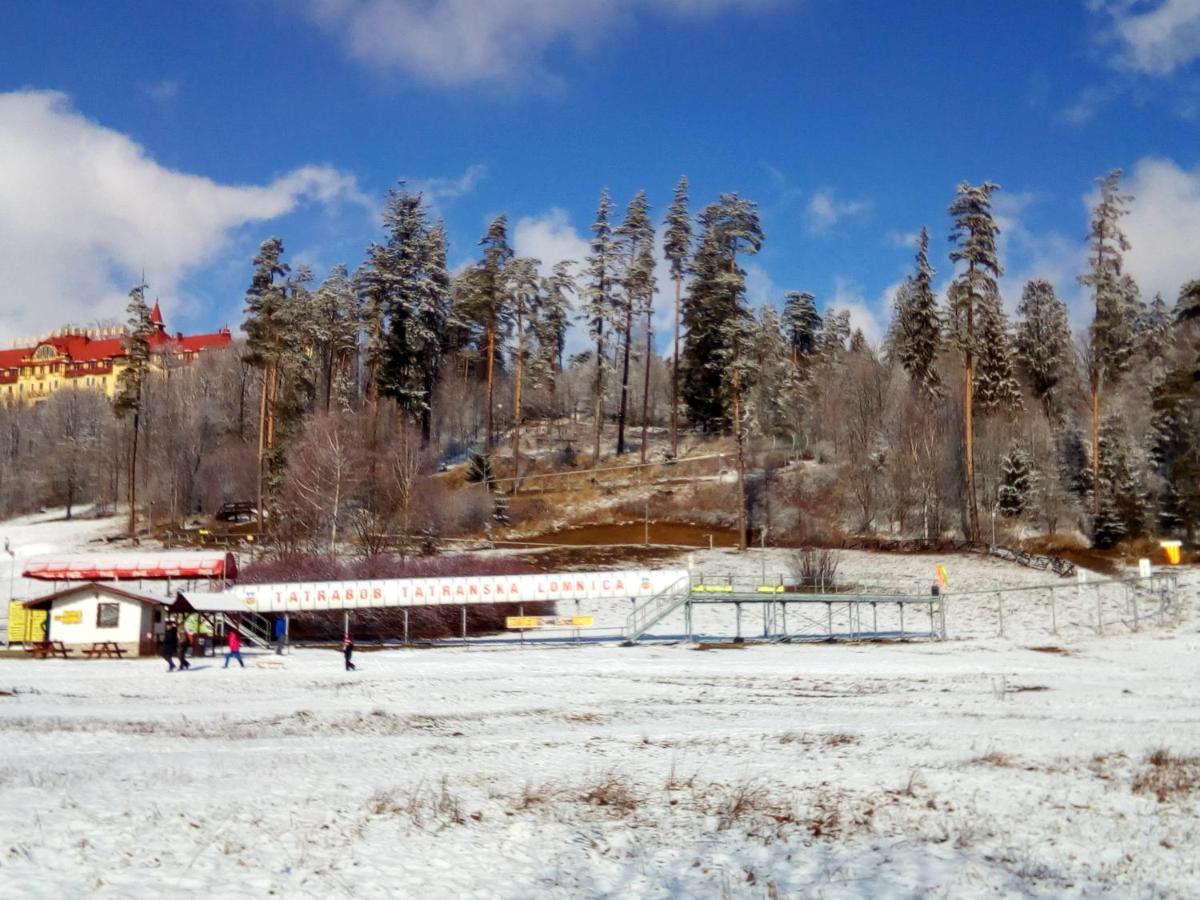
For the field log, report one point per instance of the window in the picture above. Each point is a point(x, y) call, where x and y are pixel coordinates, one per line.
point(107, 615)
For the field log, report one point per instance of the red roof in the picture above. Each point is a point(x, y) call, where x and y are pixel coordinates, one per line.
point(133, 567)
point(156, 315)
point(194, 343)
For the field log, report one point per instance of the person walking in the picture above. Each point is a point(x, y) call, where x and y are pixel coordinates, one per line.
point(279, 633)
point(234, 650)
point(183, 649)
point(170, 645)
point(347, 652)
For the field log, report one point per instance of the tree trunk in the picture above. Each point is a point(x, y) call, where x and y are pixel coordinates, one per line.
point(628, 333)
point(969, 440)
point(491, 359)
point(518, 372)
point(1095, 441)
point(598, 400)
point(133, 454)
point(675, 375)
point(739, 440)
point(262, 445)
point(646, 382)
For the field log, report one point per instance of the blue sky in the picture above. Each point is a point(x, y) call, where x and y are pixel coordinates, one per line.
point(176, 136)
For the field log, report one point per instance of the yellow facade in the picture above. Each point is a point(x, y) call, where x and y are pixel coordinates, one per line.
point(89, 360)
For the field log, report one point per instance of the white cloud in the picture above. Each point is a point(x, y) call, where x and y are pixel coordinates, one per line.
point(864, 314)
point(1159, 40)
point(460, 42)
point(162, 91)
point(825, 210)
point(1163, 226)
point(441, 190)
point(84, 209)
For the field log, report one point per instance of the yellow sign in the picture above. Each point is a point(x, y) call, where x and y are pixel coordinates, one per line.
point(1171, 548)
point(942, 577)
point(25, 624)
point(70, 617)
point(518, 623)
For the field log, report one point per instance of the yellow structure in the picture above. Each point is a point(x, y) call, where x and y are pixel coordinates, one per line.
point(90, 358)
point(25, 624)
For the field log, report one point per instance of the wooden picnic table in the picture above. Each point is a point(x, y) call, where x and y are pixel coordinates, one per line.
point(110, 649)
point(43, 649)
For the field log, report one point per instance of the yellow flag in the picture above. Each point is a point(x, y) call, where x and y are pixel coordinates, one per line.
point(942, 577)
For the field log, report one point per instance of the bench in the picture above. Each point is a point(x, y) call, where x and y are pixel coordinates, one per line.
point(43, 649)
point(110, 649)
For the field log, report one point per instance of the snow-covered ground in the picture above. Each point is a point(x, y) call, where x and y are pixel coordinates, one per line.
point(974, 766)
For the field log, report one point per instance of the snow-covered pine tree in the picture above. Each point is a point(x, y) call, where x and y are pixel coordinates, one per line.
point(1043, 343)
point(974, 236)
point(728, 227)
point(336, 324)
point(370, 283)
point(131, 384)
point(802, 323)
point(996, 387)
point(1121, 505)
point(774, 372)
point(737, 363)
point(677, 246)
point(557, 290)
point(524, 299)
point(1111, 336)
point(1187, 307)
point(635, 246)
point(491, 307)
point(266, 335)
point(1016, 485)
point(1075, 465)
point(833, 337)
point(1172, 451)
point(918, 327)
point(1155, 333)
point(599, 306)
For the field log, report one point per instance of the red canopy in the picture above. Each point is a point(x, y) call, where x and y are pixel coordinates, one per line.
point(133, 567)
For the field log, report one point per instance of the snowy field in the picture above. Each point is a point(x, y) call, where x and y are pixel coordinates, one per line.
point(969, 767)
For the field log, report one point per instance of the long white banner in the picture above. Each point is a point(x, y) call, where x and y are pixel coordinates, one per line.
point(303, 596)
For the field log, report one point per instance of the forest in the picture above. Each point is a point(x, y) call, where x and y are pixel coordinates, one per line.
point(349, 396)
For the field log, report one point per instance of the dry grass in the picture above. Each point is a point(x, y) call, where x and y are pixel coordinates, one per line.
point(427, 808)
point(994, 758)
point(1167, 775)
point(613, 793)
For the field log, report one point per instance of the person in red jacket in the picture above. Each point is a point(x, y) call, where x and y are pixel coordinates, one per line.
point(234, 650)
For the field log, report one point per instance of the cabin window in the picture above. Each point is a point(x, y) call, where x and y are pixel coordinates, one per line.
point(107, 615)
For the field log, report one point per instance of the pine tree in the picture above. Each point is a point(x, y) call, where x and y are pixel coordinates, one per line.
point(1155, 333)
point(635, 246)
point(1043, 342)
point(737, 364)
point(974, 235)
point(996, 387)
point(1016, 485)
point(599, 305)
point(370, 283)
point(524, 299)
point(266, 341)
point(131, 384)
point(802, 324)
point(1187, 307)
point(918, 325)
point(773, 374)
point(491, 300)
point(677, 245)
point(728, 227)
point(557, 290)
point(1174, 452)
point(337, 324)
point(1075, 465)
point(1111, 337)
point(1120, 500)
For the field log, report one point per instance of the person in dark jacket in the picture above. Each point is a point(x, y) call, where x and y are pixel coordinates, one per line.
point(183, 649)
point(170, 645)
point(347, 652)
